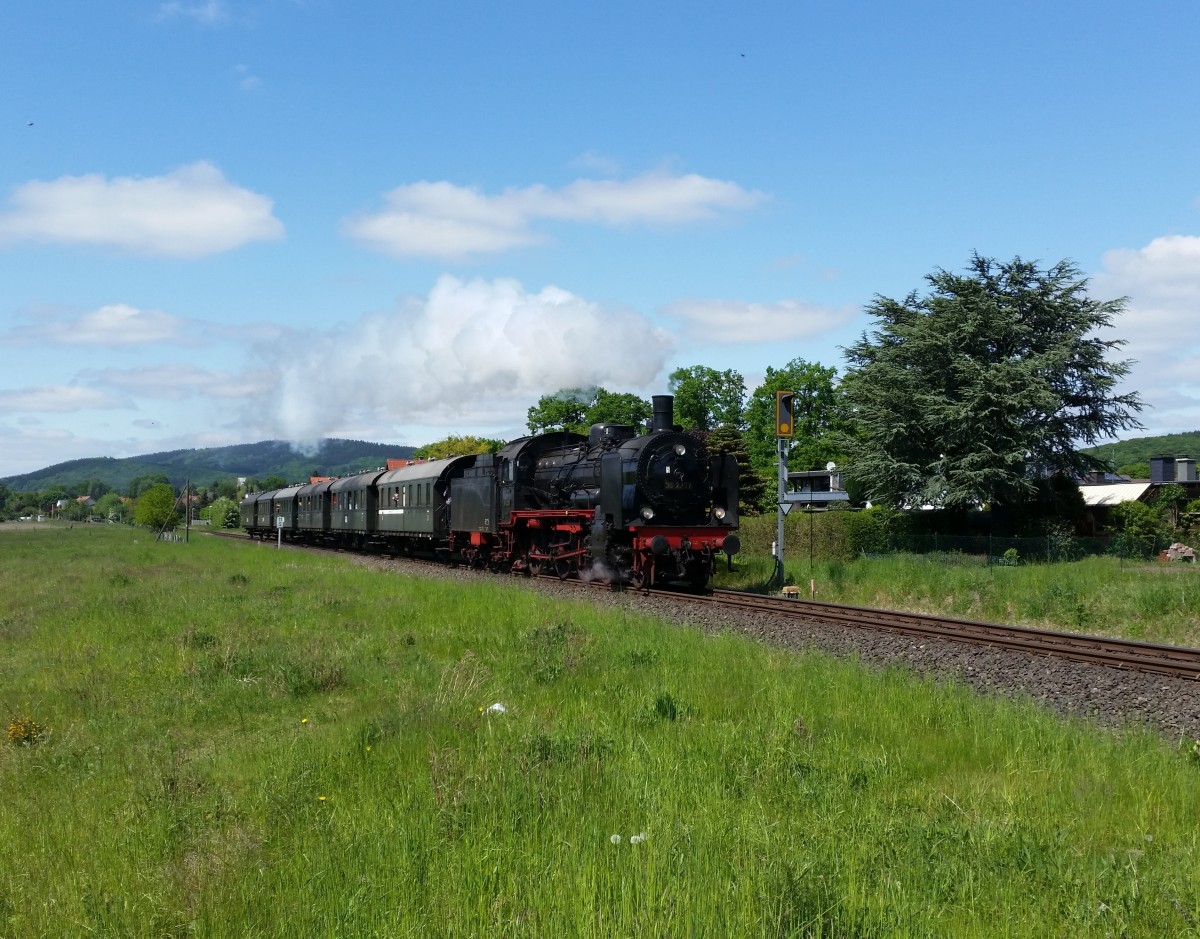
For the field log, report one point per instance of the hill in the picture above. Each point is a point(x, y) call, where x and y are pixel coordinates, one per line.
point(334, 457)
point(1141, 449)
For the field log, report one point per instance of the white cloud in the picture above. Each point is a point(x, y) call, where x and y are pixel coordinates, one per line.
point(471, 353)
point(247, 80)
point(112, 325)
point(177, 382)
point(1161, 325)
point(739, 321)
point(192, 212)
point(442, 220)
point(209, 13)
point(60, 399)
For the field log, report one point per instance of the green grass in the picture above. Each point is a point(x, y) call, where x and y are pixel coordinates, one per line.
point(1104, 595)
point(238, 741)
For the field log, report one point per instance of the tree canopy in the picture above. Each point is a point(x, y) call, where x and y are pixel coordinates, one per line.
point(458, 446)
point(576, 409)
point(816, 414)
point(706, 398)
point(156, 508)
point(967, 394)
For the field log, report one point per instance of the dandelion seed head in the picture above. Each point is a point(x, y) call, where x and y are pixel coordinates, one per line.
point(615, 839)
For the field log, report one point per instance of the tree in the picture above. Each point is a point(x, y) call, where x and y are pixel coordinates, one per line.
point(110, 507)
point(222, 512)
point(141, 484)
point(157, 508)
point(816, 414)
point(458, 446)
point(577, 409)
point(752, 487)
point(563, 410)
point(706, 398)
point(610, 407)
point(965, 395)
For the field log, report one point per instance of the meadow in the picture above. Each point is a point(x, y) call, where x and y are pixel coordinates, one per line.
point(221, 739)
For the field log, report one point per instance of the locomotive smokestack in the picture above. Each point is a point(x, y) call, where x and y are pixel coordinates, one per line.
point(664, 413)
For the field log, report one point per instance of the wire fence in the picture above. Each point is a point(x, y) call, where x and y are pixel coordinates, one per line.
point(990, 549)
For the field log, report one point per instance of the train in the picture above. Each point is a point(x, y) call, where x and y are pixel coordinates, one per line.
point(615, 505)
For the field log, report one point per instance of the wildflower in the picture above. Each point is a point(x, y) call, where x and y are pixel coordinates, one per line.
point(615, 839)
point(368, 748)
point(304, 720)
point(321, 798)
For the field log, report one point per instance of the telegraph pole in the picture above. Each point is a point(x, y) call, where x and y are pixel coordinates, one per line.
point(785, 429)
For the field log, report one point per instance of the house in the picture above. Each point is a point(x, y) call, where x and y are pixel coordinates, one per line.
point(1103, 491)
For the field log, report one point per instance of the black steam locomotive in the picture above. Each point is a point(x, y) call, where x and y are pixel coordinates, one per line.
point(613, 505)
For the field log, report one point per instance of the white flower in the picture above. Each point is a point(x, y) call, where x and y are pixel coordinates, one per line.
point(615, 839)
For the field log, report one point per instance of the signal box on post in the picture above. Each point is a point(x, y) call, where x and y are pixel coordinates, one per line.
point(785, 405)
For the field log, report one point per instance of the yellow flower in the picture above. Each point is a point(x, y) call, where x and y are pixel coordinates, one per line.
point(304, 720)
point(321, 798)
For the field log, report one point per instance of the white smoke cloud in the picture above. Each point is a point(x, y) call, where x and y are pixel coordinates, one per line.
point(471, 354)
point(192, 212)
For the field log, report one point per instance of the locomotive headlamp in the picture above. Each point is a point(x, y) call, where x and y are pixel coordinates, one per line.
point(647, 512)
point(719, 512)
point(680, 449)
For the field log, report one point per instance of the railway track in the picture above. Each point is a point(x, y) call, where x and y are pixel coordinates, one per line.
point(1175, 661)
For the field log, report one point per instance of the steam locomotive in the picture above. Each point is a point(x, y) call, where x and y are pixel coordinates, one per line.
point(615, 506)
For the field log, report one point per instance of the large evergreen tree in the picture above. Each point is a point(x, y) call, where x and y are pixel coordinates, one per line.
point(967, 394)
point(752, 487)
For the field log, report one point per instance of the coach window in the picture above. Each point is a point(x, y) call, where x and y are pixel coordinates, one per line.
point(427, 500)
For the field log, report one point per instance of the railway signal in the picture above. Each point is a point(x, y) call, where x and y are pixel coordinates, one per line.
point(785, 406)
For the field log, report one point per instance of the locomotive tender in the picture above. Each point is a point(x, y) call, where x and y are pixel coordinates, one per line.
point(613, 505)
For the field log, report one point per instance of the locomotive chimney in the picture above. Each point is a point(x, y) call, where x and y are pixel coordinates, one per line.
point(664, 413)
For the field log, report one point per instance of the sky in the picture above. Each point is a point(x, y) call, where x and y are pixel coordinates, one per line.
point(224, 221)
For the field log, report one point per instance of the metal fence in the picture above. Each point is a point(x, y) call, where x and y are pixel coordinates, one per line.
point(990, 549)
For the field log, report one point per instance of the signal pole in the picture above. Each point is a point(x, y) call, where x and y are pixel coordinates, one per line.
point(785, 429)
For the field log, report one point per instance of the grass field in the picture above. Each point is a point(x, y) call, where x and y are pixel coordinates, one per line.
point(220, 739)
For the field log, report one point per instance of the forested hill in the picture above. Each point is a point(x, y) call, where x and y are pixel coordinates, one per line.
point(1141, 449)
point(266, 458)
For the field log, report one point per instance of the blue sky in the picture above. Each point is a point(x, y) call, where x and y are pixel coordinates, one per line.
point(229, 220)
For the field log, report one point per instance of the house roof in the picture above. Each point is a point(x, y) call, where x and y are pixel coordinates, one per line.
point(1113, 493)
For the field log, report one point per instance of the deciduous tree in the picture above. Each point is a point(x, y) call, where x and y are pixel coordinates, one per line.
point(157, 508)
point(706, 398)
point(458, 446)
point(817, 409)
